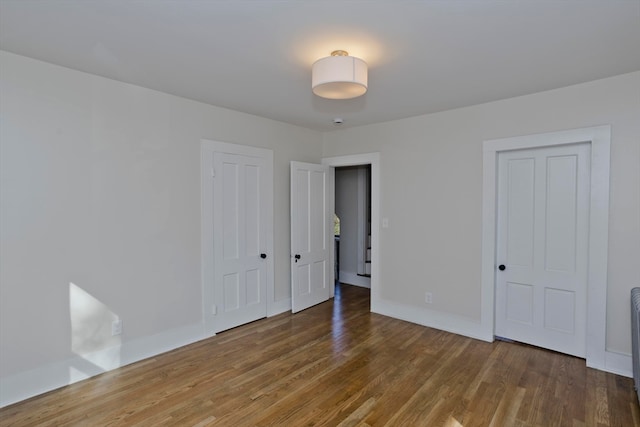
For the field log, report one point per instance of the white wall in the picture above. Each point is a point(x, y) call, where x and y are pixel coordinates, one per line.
point(100, 187)
point(431, 192)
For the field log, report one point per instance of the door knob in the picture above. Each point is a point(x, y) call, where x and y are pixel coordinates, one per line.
point(297, 257)
point(501, 267)
point(263, 256)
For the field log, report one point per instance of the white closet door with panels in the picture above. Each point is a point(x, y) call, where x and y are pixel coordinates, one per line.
point(542, 246)
point(237, 229)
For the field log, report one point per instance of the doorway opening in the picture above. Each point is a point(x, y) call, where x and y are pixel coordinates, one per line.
point(353, 237)
point(371, 161)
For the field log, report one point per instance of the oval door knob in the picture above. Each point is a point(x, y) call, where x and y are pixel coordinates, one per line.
point(501, 267)
point(263, 256)
point(297, 256)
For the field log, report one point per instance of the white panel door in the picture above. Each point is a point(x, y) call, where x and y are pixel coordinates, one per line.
point(311, 234)
point(542, 249)
point(237, 211)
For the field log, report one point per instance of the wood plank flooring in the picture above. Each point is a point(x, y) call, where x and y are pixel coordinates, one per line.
point(336, 364)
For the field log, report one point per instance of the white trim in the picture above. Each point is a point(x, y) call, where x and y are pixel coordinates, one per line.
point(208, 147)
point(278, 307)
point(600, 139)
point(42, 379)
point(350, 278)
point(372, 159)
point(616, 363)
point(434, 319)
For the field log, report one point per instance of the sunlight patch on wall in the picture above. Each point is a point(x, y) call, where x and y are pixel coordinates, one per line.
point(91, 336)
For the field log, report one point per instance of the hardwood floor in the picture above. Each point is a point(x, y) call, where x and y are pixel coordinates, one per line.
point(336, 364)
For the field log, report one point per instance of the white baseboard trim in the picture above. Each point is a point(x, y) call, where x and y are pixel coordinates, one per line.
point(615, 363)
point(23, 385)
point(350, 278)
point(431, 318)
point(278, 307)
point(618, 363)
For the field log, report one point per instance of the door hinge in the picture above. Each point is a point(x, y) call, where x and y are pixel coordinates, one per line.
point(213, 172)
point(214, 309)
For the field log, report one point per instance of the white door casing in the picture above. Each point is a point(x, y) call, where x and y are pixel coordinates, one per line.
point(542, 246)
point(311, 234)
point(237, 240)
point(372, 159)
point(599, 138)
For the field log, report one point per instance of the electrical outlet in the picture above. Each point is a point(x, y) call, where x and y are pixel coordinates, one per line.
point(116, 327)
point(428, 297)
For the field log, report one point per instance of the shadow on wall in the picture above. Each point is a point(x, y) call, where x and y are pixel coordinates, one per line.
point(91, 335)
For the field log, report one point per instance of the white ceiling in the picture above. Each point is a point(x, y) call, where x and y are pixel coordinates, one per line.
point(255, 56)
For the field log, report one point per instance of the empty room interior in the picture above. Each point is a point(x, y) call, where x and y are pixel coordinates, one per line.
point(354, 213)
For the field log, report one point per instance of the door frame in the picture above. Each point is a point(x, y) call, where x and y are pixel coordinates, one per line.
point(372, 159)
point(208, 148)
point(600, 139)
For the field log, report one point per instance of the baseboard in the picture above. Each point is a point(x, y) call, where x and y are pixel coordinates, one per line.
point(278, 307)
point(431, 318)
point(350, 278)
point(618, 363)
point(615, 363)
point(23, 385)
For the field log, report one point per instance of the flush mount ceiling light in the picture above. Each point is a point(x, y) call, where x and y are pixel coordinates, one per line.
point(339, 76)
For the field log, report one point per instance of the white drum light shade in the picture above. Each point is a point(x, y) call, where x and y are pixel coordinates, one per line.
point(339, 76)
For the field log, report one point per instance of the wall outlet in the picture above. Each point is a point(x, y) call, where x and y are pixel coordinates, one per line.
point(116, 327)
point(428, 297)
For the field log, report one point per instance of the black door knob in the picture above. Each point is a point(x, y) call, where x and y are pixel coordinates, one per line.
point(297, 257)
point(263, 256)
point(501, 267)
